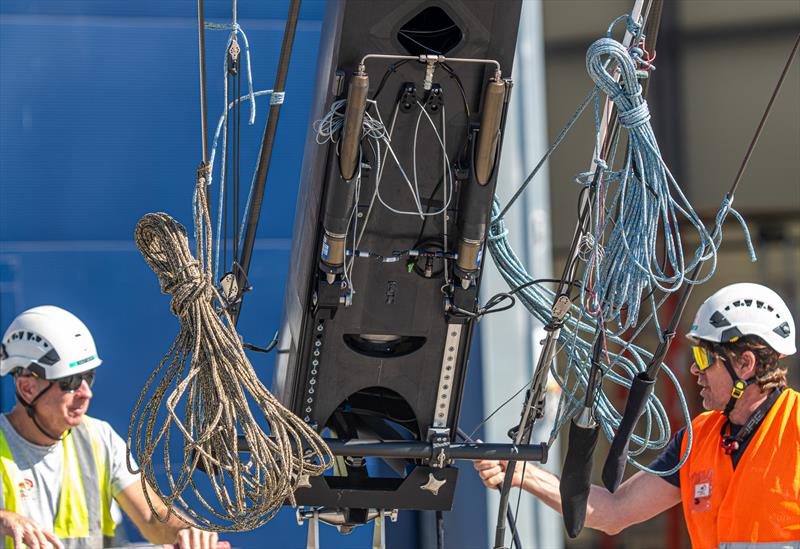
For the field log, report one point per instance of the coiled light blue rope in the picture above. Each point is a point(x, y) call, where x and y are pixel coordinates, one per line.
point(644, 210)
point(575, 338)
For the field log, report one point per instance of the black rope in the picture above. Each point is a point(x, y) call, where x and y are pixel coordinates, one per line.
point(226, 195)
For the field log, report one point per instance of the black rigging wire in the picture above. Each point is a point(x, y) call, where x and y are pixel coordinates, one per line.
point(265, 154)
point(496, 410)
point(237, 114)
point(449, 70)
point(511, 517)
point(539, 281)
point(226, 195)
point(203, 101)
point(454, 75)
point(389, 71)
point(439, 530)
point(425, 219)
point(491, 305)
point(429, 204)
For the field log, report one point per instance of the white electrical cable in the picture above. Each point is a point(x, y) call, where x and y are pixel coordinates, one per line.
point(375, 130)
point(381, 165)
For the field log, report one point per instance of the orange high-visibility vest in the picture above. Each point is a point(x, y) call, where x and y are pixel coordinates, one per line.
point(760, 500)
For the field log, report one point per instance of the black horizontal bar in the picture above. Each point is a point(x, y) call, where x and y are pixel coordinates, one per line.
point(425, 450)
point(412, 449)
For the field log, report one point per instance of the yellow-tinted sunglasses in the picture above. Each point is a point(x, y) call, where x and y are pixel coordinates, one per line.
point(702, 357)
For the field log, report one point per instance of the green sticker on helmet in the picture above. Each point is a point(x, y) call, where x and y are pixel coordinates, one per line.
point(82, 361)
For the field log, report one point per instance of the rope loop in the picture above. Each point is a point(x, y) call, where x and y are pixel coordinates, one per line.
point(206, 374)
point(630, 25)
point(727, 208)
point(638, 209)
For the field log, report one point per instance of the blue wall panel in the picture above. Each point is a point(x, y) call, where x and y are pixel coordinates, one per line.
point(99, 124)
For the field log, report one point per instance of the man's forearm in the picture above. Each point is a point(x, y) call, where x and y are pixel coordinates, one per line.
point(145, 509)
point(639, 498)
point(156, 531)
point(599, 510)
point(166, 532)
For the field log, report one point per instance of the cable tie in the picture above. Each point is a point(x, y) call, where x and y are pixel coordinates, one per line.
point(276, 98)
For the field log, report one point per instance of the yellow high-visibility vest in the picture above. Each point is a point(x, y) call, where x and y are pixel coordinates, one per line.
point(84, 517)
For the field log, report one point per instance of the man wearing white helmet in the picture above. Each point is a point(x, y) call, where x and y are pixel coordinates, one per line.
point(63, 471)
point(741, 481)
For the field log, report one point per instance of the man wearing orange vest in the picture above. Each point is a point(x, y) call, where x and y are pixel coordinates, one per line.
point(741, 482)
point(63, 472)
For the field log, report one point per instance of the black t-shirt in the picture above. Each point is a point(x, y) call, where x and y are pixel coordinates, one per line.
point(671, 455)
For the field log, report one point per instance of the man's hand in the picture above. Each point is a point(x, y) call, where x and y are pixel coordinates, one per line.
point(194, 538)
point(26, 532)
point(494, 472)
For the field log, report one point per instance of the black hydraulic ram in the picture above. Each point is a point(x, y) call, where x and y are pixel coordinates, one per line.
point(476, 202)
point(340, 195)
point(476, 197)
point(643, 383)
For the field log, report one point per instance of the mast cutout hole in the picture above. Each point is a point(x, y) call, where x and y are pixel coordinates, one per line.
point(430, 32)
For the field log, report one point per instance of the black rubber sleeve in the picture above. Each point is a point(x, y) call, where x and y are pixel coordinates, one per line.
point(577, 477)
point(614, 467)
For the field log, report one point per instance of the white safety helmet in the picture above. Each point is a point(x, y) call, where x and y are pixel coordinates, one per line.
point(49, 342)
point(746, 309)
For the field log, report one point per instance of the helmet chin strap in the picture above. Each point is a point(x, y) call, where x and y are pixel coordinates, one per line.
point(30, 409)
point(739, 385)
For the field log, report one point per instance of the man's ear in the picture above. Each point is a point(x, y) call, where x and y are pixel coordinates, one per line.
point(27, 387)
point(746, 365)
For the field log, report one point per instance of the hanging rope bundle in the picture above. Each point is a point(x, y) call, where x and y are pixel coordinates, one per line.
point(576, 341)
point(207, 374)
point(646, 208)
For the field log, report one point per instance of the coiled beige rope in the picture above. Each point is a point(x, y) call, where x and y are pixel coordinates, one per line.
point(207, 376)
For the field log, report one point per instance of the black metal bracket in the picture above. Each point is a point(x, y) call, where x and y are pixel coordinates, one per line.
point(383, 493)
point(408, 97)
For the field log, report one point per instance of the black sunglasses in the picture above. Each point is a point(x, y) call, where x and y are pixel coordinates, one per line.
point(73, 383)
